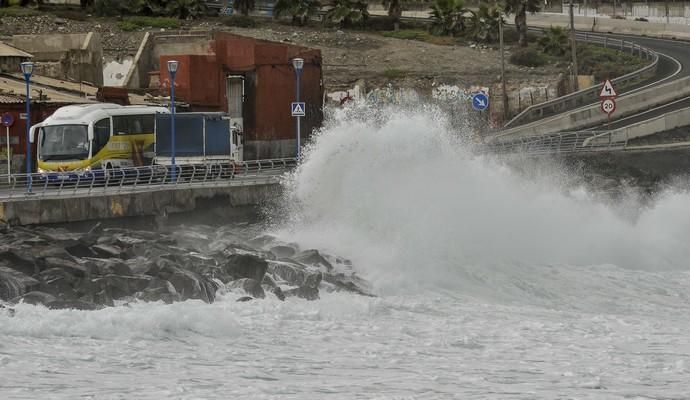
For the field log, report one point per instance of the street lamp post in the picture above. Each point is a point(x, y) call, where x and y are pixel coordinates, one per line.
point(27, 70)
point(172, 69)
point(298, 64)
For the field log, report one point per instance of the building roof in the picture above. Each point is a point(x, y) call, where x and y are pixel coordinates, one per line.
point(8, 51)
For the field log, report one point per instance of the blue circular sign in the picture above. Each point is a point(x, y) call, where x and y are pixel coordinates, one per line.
point(7, 119)
point(480, 101)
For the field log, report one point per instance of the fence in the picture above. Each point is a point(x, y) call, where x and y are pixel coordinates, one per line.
point(590, 95)
point(141, 179)
point(562, 143)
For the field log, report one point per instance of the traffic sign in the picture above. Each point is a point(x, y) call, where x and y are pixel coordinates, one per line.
point(608, 90)
point(480, 101)
point(7, 119)
point(608, 106)
point(297, 109)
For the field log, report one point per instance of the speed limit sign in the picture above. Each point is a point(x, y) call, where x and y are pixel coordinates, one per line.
point(608, 106)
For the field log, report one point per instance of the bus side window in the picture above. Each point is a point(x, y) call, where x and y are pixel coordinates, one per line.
point(120, 125)
point(101, 130)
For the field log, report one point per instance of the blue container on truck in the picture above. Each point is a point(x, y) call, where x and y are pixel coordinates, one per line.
point(200, 138)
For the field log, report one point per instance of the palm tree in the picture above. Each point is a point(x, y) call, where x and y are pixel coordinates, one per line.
point(243, 6)
point(555, 41)
point(447, 17)
point(347, 12)
point(482, 25)
point(300, 10)
point(520, 8)
point(395, 9)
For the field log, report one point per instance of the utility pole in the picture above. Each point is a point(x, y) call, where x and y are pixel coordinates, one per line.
point(573, 46)
point(503, 70)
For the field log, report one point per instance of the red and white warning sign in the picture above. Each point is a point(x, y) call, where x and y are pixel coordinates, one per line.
point(608, 90)
point(608, 106)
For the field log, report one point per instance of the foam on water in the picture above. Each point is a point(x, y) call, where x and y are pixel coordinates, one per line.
point(405, 197)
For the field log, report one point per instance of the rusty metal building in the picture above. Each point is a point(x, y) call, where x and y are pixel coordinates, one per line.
point(253, 80)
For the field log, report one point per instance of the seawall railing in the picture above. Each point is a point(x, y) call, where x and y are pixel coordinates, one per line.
point(590, 95)
point(562, 143)
point(15, 187)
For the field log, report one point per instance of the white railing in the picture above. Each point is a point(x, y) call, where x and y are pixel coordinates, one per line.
point(590, 95)
point(562, 143)
point(17, 187)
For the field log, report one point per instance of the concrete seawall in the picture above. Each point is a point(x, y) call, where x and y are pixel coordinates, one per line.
point(156, 203)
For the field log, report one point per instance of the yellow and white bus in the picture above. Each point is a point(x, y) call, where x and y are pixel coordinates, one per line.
point(96, 136)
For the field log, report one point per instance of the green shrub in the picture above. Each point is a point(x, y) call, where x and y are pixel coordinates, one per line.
point(394, 73)
point(127, 26)
point(527, 57)
point(380, 23)
point(73, 15)
point(408, 34)
point(18, 12)
point(240, 21)
point(606, 63)
point(107, 8)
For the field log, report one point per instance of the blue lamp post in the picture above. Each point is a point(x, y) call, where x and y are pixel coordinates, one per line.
point(298, 64)
point(172, 69)
point(27, 70)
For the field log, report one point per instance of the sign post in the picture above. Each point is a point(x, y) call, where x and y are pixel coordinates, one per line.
point(7, 121)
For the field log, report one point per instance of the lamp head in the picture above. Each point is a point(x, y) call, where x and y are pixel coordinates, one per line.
point(27, 68)
point(298, 64)
point(172, 66)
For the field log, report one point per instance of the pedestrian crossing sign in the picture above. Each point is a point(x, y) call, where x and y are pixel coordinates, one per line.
point(297, 109)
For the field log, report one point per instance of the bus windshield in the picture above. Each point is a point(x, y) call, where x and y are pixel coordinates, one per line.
point(64, 142)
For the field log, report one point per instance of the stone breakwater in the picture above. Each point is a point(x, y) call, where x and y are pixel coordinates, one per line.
point(105, 267)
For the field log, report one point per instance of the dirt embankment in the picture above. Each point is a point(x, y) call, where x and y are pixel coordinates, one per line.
point(349, 56)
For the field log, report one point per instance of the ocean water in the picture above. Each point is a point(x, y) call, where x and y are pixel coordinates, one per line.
point(493, 282)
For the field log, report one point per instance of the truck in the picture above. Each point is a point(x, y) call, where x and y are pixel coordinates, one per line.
point(200, 138)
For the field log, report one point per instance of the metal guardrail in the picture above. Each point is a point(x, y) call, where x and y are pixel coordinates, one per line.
point(562, 143)
point(590, 95)
point(52, 185)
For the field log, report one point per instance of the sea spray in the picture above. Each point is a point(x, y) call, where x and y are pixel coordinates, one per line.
point(413, 203)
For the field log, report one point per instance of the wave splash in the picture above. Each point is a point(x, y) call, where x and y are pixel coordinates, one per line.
point(405, 197)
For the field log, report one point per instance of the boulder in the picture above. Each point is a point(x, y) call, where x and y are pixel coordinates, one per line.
point(68, 265)
point(35, 297)
point(159, 290)
point(314, 258)
point(279, 293)
point(106, 266)
point(14, 283)
point(249, 266)
point(295, 274)
point(188, 284)
point(119, 286)
point(244, 299)
point(20, 260)
point(251, 287)
point(305, 292)
point(282, 251)
point(58, 282)
point(107, 251)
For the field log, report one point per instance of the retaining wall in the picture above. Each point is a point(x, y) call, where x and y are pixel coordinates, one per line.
point(157, 203)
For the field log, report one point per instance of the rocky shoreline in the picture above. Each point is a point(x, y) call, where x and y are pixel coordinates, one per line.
point(107, 267)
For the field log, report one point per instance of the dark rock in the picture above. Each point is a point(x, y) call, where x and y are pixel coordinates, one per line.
point(118, 286)
point(188, 284)
point(350, 283)
point(107, 251)
point(250, 286)
point(14, 283)
point(79, 249)
point(58, 282)
point(159, 290)
point(263, 240)
point(305, 292)
point(105, 266)
point(268, 281)
point(35, 298)
point(54, 252)
point(72, 305)
point(6, 309)
point(68, 265)
point(245, 266)
point(21, 261)
point(283, 251)
point(244, 299)
point(279, 293)
point(295, 274)
point(314, 258)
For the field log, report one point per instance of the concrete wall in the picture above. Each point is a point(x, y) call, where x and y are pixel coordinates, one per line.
point(74, 57)
point(158, 203)
point(155, 45)
point(598, 24)
point(592, 115)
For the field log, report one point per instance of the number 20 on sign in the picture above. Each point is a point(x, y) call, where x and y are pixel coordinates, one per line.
point(608, 106)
